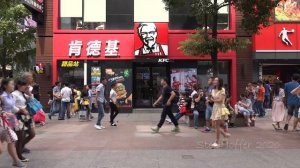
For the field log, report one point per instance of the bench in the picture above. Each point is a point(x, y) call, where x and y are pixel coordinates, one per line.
point(239, 121)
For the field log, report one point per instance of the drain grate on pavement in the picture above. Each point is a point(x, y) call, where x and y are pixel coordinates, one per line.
point(187, 157)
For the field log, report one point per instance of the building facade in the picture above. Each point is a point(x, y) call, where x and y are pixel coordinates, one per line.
point(134, 42)
point(277, 48)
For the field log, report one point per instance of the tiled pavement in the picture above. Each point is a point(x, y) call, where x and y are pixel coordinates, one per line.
point(75, 144)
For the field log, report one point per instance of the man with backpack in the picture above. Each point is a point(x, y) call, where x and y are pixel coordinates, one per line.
point(167, 97)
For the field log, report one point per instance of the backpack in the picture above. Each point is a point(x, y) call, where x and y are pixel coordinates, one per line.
point(176, 98)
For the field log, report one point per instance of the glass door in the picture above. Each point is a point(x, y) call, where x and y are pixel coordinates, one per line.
point(147, 85)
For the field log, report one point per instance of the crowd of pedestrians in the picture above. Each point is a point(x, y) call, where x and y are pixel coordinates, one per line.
point(17, 126)
point(213, 103)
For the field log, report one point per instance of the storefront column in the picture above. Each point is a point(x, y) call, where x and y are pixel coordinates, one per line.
point(85, 72)
point(260, 71)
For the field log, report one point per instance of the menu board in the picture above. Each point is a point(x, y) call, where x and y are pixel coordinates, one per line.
point(123, 78)
point(95, 75)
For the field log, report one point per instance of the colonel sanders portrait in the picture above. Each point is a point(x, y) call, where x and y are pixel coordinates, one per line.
point(147, 33)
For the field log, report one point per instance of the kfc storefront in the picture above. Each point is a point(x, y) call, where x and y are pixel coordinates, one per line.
point(138, 58)
point(277, 51)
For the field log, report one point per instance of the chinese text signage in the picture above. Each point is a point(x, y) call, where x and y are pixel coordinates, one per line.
point(70, 64)
point(93, 46)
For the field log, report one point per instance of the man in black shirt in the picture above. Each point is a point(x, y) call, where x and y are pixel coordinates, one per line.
point(167, 96)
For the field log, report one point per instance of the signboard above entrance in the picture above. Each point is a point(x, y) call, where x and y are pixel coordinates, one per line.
point(36, 5)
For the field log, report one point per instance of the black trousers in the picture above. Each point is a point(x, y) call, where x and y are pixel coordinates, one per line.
point(167, 110)
point(114, 111)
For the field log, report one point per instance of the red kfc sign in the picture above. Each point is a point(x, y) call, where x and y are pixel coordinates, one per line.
point(151, 39)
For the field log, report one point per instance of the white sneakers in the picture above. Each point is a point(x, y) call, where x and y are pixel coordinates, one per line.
point(99, 127)
point(215, 146)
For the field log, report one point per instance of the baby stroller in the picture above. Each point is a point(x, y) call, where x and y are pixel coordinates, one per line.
point(84, 112)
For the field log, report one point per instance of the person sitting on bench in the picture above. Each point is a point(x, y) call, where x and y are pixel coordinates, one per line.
point(185, 104)
point(244, 106)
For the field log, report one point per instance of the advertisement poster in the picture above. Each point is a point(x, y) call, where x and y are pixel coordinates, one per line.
point(183, 80)
point(288, 11)
point(151, 39)
point(123, 77)
point(95, 75)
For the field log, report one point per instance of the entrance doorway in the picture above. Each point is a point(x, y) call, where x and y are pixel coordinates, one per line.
point(146, 83)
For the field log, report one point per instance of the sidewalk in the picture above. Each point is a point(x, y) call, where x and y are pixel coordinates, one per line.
point(71, 143)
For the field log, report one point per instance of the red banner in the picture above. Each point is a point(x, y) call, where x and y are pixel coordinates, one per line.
point(91, 46)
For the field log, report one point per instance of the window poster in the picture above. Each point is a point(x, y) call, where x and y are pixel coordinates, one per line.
point(123, 78)
point(287, 11)
point(95, 75)
point(183, 80)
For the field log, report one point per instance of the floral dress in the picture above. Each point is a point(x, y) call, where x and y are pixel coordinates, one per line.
point(219, 111)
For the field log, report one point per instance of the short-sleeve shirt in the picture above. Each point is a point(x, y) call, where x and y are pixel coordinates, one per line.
point(8, 103)
point(166, 93)
point(66, 94)
point(261, 94)
point(101, 88)
point(113, 96)
point(291, 98)
point(267, 89)
point(55, 90)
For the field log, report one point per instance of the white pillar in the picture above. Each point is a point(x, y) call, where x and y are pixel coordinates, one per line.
point(85, 75)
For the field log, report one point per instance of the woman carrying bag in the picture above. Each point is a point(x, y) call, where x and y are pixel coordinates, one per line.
point(8, 120)
point(26, 125)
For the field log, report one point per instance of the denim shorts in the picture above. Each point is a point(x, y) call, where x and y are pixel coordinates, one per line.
point(293, 110)
point(208, 112)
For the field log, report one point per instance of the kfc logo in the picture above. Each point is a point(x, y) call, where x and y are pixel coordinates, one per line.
point(151, 39)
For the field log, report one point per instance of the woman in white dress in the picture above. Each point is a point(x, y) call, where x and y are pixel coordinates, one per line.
point(278, 109)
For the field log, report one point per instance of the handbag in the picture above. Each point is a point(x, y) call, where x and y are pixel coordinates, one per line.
point(225, 111)
point(33, 106)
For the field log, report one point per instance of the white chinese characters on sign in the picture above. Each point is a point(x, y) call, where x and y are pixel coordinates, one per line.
point(112, 48)
point(284, 36)
point(75, 48)
point(94, 48)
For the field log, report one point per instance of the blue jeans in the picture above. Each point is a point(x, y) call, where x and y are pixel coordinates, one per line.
point(65, 106)
point(178, 116)
point(100, 113)
point(255, 107)
point(267, 101)
point(208, 112)
point(55, 107)
point(196, 119)
point(260, 108)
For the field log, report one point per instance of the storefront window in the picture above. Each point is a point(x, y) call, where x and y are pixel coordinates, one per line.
point(71, 72)
point(182, 19)
point(96, 14)
point(187, 73)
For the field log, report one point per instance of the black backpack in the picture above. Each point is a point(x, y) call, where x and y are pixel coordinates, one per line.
point(176, 98)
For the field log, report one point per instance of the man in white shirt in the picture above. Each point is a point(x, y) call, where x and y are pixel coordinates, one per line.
point(66, 94)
